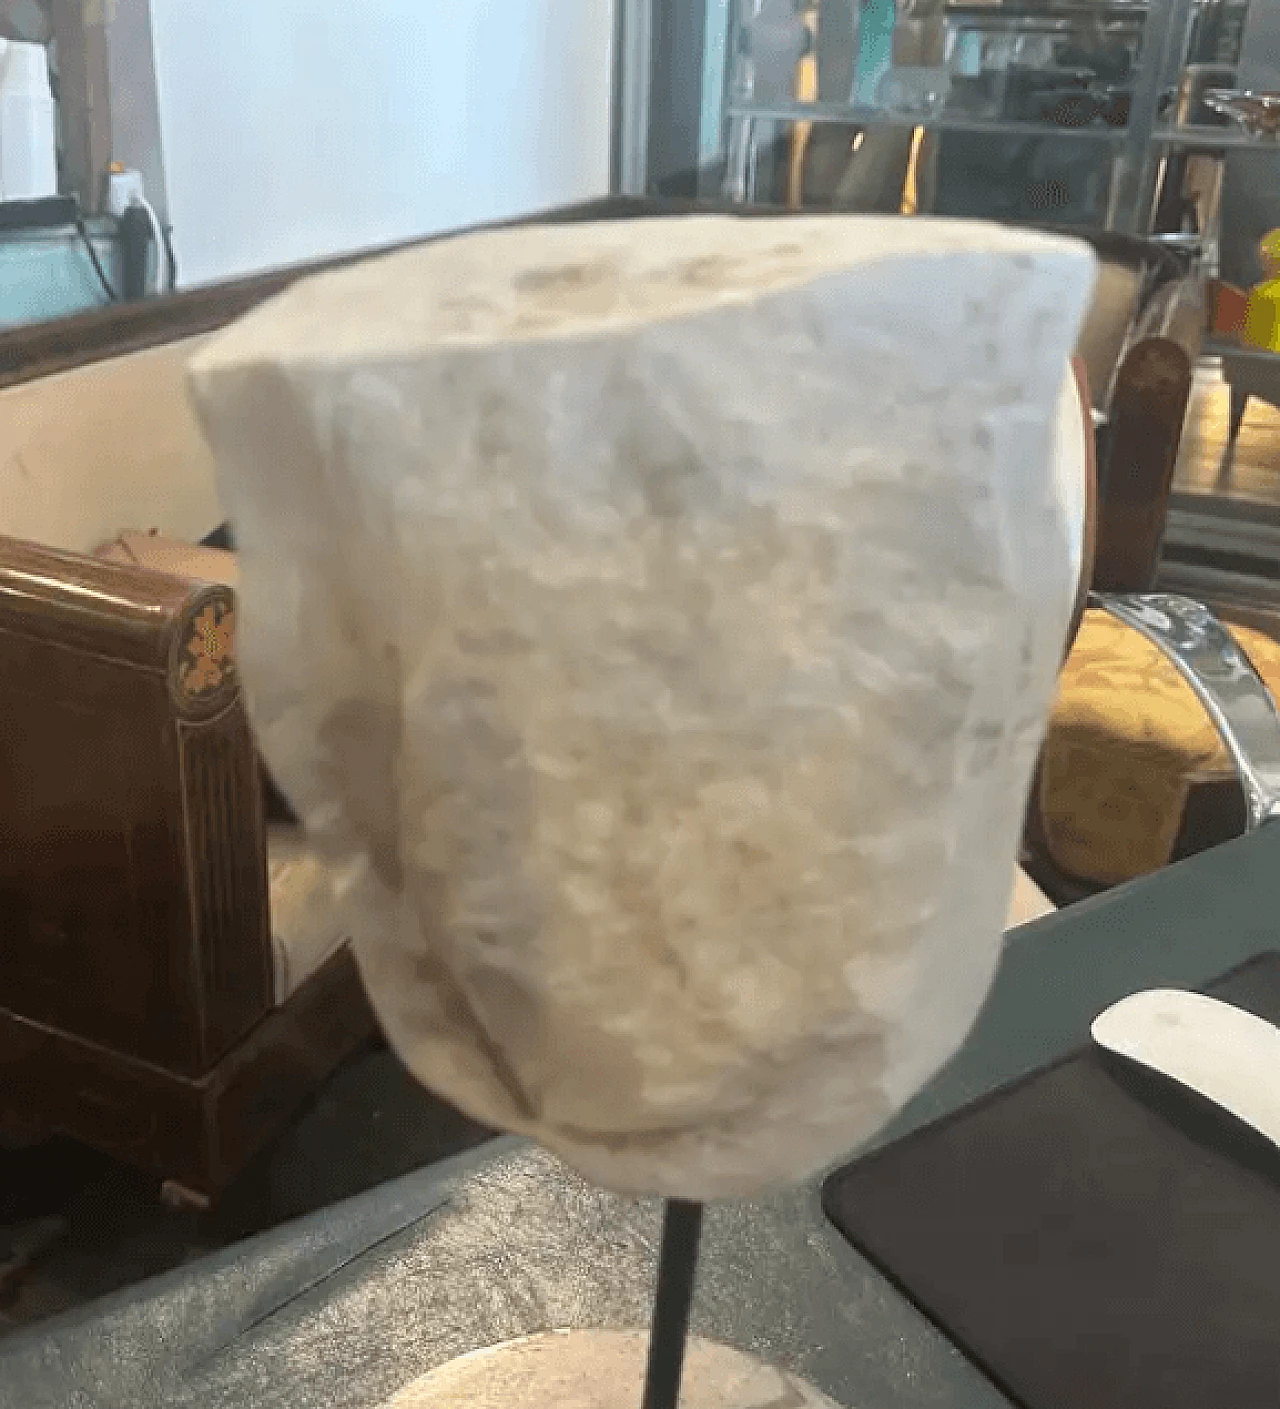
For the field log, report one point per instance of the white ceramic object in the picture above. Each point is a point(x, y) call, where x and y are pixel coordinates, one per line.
point(658, 621)
point(28, 125)
point(1221, 1052)
point(602, 1370)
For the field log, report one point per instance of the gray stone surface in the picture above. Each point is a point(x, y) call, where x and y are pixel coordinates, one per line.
point(341, 1309)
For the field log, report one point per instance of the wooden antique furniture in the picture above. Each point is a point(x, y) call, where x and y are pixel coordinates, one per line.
point(164, 996)
point(1133, 773)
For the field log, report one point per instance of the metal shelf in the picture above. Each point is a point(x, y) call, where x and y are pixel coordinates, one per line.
point(1216, 138)
point(850, 115)
point(862, 116)
point(1091, 10)
point(1136, 153)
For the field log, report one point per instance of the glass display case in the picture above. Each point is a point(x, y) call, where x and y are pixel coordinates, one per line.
point(1152, 127)
point(1067, 112)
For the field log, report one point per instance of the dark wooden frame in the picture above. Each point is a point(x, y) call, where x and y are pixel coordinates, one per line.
point(192, 1133)
point(84, 95)
point(39, 350)
point(1147, 414)
point(1137, 460)
point(138, 1011)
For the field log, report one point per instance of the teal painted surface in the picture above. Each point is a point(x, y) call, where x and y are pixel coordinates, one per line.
point(714, 65)
point(968, 53)
point(48, 275)
point(875, 48)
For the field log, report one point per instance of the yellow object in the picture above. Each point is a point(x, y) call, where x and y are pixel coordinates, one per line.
point(1269, 254)
point(801, 132)
point(911, 185)
point(1127, 739)
point(1262, 317)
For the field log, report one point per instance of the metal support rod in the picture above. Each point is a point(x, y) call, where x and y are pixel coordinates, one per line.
point(677, 1266)
point(634, 73)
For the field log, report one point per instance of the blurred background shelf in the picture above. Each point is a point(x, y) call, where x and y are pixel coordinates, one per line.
point(861, 115)
point(1083, 114)
point(1214, 138)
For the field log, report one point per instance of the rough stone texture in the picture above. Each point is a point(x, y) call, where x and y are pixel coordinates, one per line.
point(602, 1370)
point(657, 622)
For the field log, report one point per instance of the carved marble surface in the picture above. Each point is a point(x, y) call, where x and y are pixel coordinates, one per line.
point(657, 621)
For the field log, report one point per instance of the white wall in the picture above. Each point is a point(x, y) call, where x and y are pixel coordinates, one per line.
point(297, 128)
point(103, 449)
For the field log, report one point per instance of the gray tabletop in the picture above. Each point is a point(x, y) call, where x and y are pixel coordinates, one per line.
point(342, 1308)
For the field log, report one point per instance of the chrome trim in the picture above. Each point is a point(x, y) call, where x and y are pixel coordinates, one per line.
point(1224, 680)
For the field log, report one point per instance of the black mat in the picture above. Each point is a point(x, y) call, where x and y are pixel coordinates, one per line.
point(1091, 1237)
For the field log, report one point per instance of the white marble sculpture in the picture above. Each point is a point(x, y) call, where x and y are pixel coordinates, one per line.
point(601, 1370)
point(658, 621)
